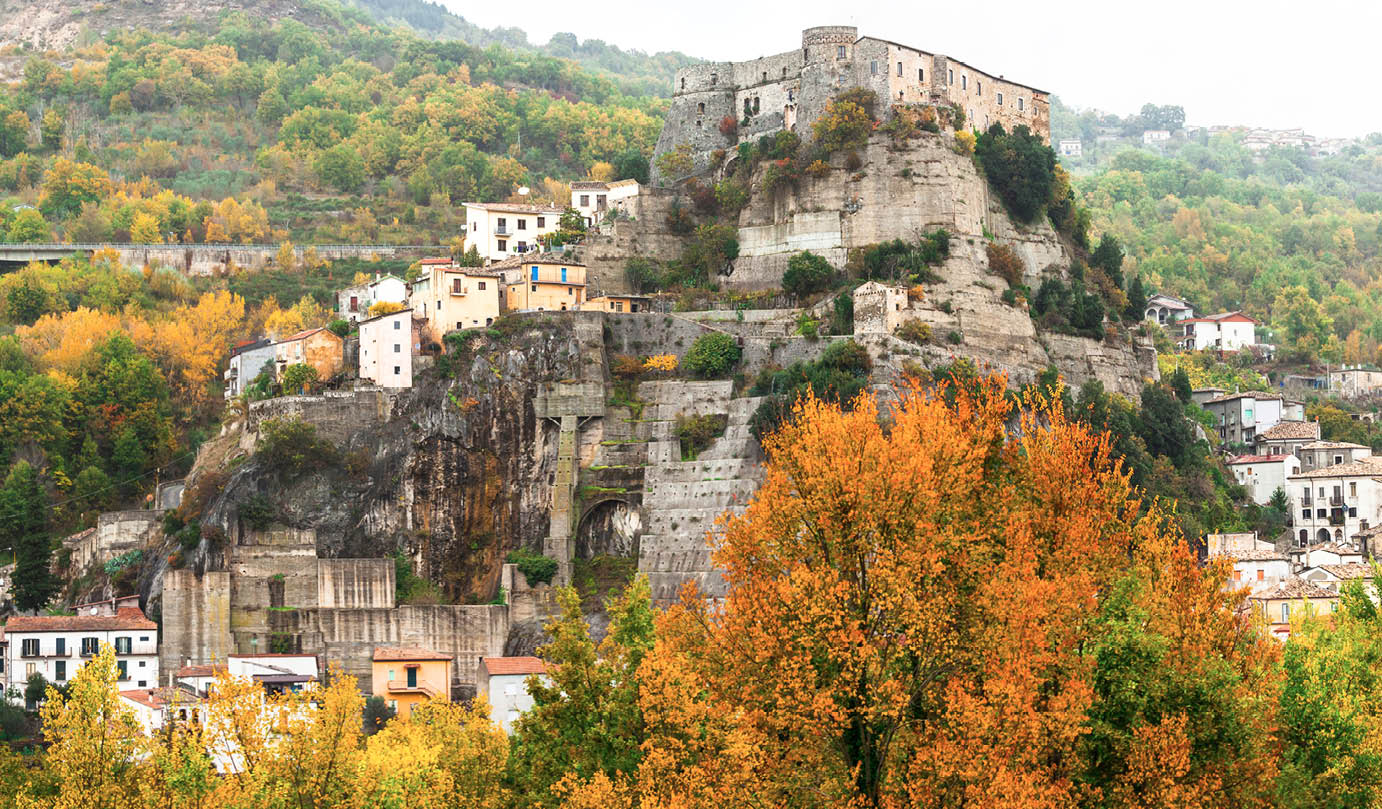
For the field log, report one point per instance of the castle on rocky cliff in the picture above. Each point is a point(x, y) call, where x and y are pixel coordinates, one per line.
point(790, 90)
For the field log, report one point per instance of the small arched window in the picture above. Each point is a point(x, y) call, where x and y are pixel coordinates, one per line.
point(683, 82)
point(700, 108)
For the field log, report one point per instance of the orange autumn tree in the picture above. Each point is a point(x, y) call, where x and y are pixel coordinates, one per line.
point(914, 602)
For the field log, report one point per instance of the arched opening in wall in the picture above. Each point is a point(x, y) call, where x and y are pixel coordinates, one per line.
point(700, 108)
point(609, 528)
point(1322, 535)
point(683, 82)
point(1304, 537)
point(1338, 535)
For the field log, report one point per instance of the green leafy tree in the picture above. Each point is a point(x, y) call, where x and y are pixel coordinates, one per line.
point(1163, 426)
point(24, 527)
point(29, 226)
point(299, 377)
point(1108, 256)
point(1180, 383)
point(587, 720)
point(1020, 167)
point(14, 132)
point(632, 165)
point(341, 167)
point(128, 455)
point(807, 273)
point(50, 128)
point(1301, 319)
point(712, 355)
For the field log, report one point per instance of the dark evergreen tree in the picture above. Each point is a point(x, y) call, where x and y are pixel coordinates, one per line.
point(1108, 256)
point(1162, 424)
point(24, 528)
point(1137, 300)
point(1180, 383)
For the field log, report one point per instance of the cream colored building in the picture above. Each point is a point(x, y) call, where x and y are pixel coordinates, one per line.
point(594, 200)
point(408, 676)
point(451, 298)
point(542, 283)
point(1335, 503)
point(387, 345)
point(1290, 601)
point(500, 230)
point(618, 304)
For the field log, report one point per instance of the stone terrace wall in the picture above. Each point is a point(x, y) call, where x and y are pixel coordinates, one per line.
point(338, 415)
point(195, 624)
point(645, 236)
point(356, 583)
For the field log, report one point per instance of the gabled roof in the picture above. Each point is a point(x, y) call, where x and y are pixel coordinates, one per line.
point(1361, 468)
point(1294, 588)
point(1349, 570)
point(1328, 547)
point(1290, 430)
point(124, 618)
point(251, 345)
point(383, 654)
point(513, 665)
point(514, 207)
point(1221, 317)
point(1247, 459)
point(1254, 555)
point(200, 671)
point(1332, 445)
point(435, 261)
point(588, 185)
point(1261, 396)
point(533, 258)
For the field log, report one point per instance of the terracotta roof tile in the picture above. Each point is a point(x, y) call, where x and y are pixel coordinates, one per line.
point(200, 671)
point(402, 653)
point(1350, 570)
point(1287, 430)
point(513, 665)
point(1332, 445)
point(1363, 467)
point(1255, 555)
point(1295, 588)
point(1258, 459)
point(125, 618)
point(514, 207)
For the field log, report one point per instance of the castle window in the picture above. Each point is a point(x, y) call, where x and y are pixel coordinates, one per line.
point(1019, 103)
point(873, 67)
point(700, 108)
point(921, 74)
point(1000, 99)
point(765, 75)
point(899, 70)
point(713, 79)
point(980, 88)
point(964, 82)
point(950, 77)
point(683, 83)
point(755, 105)
point(698, 123)
point(748, 107)
point(784, 72)
point(841, 53)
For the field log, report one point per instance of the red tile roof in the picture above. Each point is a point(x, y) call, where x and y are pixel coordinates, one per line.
point(435, 261)
point(514, 207)
point(1258, 459)
point(125, 618)
point(1290, 430)
point(200, 671)
point(513, 665)
point(403, 653)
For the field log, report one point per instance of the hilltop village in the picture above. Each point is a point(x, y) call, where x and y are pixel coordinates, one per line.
point(568, 397)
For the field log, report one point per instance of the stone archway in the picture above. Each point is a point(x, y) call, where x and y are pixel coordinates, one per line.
point(609, 527)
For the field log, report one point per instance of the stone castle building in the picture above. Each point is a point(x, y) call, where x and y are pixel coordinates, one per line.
point(790, 91)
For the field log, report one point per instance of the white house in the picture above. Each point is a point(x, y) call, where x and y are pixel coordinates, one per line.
point(387, 345)
point(1287, 436)
point(593, 199)
point(353, 302)
point(1321, 454)
point(1336, 576)
point(1166, 309)
point(1262, 475)
point(1152, 136)
point(156, 708)
point(504, 682)
point(1241, 416)
point(1071, 148)
point(246, 361)
point(1225, 331)
point(55, 646)
point(1324, 553)
point(499, 230)
point(1334, 503)
point(1258, 570)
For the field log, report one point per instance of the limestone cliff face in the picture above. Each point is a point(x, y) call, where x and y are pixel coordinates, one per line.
point(900, 193)
point(454, 472)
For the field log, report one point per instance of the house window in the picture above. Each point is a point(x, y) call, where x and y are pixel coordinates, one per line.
point(523, 224)
point(459, 326)
point(397, 348)
point(90, 647)
point(479, 284)
point(456, 286)
point(979, 88)
point(542, 222)
point(535, 287)
point(600, 198)
point(534, 275)
point(60, 670)
point(522, 247)
point(700, 108)
point(1019, 103)
point(122, 646)
point(1260, 574)
point(1338, 459)
point(714, 79)
point(30, 647)
point(840, 52)
point(503, 245)
point(123, 666)
point(1352, 492)
point(503, 224)
point(60, 647)
point(899, 70)
point(1286, 613)
point(396, 324)
point(585, 200)
point(563, 275)
point(396, 370)
point(873, 67)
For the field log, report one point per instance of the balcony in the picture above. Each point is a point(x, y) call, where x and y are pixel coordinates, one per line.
point(503, 230)
point(458, 292)
point(1336, 500)
point(420, 687)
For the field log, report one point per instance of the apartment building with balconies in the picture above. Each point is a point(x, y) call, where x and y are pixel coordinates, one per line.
point(55, 646)
point(500, 230)
point(407, 677)
point(1335, 503)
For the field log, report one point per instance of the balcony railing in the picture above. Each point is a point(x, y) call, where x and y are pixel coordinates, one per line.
point(503, 230)
point(421, 687)
point(1336, 500)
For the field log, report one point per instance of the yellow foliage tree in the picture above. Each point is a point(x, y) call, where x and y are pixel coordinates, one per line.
point(94, 742)
point(144, 229)
point(287, 257)
point(385, 308)
point(305, 314)
point(64, 340)
point(601, 172)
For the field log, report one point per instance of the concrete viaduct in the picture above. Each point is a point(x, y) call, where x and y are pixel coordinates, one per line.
point(207, 259)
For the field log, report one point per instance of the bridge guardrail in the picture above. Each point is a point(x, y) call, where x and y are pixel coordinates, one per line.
point(213, 246)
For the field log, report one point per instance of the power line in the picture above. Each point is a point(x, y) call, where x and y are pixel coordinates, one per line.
point(116, 485)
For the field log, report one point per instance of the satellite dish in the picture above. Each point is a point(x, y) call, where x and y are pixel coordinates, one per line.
point(523, 190)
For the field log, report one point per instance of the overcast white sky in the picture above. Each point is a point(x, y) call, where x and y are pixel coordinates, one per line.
point(1311, 63)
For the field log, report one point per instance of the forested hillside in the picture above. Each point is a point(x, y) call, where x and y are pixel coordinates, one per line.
point(1293, 240)
point(341, 132)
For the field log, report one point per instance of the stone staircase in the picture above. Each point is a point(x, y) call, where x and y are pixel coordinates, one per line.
point(683, 500)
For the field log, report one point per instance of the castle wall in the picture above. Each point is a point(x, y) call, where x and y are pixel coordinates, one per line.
point(356, 583)
point(338, 415)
